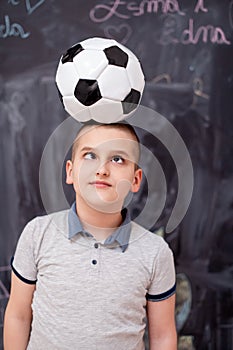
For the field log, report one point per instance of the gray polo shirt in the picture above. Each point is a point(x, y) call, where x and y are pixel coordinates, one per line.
point(91, 295)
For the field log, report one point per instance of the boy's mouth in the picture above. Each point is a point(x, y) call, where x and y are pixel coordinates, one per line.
point(100, 184)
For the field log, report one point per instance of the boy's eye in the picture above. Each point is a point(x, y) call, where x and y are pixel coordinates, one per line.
point(117, 159)
point(89, 155)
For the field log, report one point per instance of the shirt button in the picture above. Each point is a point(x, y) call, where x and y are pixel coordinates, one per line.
point(96, 245)
point(94, 262)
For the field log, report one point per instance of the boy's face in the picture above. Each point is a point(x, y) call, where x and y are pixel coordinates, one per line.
point(103, 169)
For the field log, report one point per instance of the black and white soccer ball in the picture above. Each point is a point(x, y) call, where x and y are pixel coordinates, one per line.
point(100, 79)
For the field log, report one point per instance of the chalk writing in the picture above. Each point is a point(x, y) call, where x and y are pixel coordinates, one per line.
point(110, 11)
point(121, 32)
point(31, 5)
point(9, 29)
point(31, 8)
point(203, 34)
point(14, 2)
point(125, 10)
point(168, 8)
point(168, 35)
point(15, 29)
point(198, 88)
point(200, 6)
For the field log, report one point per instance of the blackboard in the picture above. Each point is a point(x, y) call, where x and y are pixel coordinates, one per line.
point(186, 52)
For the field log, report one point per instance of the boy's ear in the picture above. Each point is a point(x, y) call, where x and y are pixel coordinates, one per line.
point(137, 181)
point(69, 168)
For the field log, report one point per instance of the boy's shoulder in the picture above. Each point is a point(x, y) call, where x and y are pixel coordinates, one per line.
point(47, 222)
point(145, 237)
point(49, 217)
point(148, 247)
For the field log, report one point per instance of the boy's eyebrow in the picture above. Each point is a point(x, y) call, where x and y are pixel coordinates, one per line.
point(85, 148)
point(121, 153)
point(115, 151)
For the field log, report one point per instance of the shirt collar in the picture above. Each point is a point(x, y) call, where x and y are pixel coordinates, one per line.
point(74, 223)
point(121, 235)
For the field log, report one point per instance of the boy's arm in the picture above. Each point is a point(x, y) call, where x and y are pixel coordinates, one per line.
point(18, 315)
point(161, 324)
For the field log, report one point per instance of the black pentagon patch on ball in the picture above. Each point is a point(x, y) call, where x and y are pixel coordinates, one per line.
point(116, 56)
point(131, 101)
point(87, 92)
point(71, 53)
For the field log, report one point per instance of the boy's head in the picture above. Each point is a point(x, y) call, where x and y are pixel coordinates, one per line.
point(103, 167)
point(117, 126)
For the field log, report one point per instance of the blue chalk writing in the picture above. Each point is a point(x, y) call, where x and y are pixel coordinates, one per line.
point(31, 8)
point(13, 2)
point(9, 29)
point(31, 5)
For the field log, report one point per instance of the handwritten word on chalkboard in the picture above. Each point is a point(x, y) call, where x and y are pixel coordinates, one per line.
point(11, 28)
point(193, 34)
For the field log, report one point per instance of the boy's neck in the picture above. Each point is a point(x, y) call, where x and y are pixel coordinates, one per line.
point(100, 225)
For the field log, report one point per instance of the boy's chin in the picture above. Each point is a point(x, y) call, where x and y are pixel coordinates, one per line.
point(106, 207)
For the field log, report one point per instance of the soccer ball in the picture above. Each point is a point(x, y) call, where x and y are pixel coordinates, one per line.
point(100, 79)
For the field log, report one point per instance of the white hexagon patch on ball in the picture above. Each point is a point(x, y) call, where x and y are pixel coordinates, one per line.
point(100, 79)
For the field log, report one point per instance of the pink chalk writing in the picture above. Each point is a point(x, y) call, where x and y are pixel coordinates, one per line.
point(200, 6)
point(121, 33)
point(203, 34)
point(156, 6)
point(109, 11)
point(125, 9)
point(191, 35)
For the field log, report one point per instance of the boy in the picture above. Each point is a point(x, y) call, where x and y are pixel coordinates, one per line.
point(85, 278)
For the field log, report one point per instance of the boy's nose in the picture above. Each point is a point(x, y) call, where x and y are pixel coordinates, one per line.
point(102, 170)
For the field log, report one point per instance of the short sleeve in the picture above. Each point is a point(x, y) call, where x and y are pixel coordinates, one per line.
point(23, 263)
point(163, 283)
